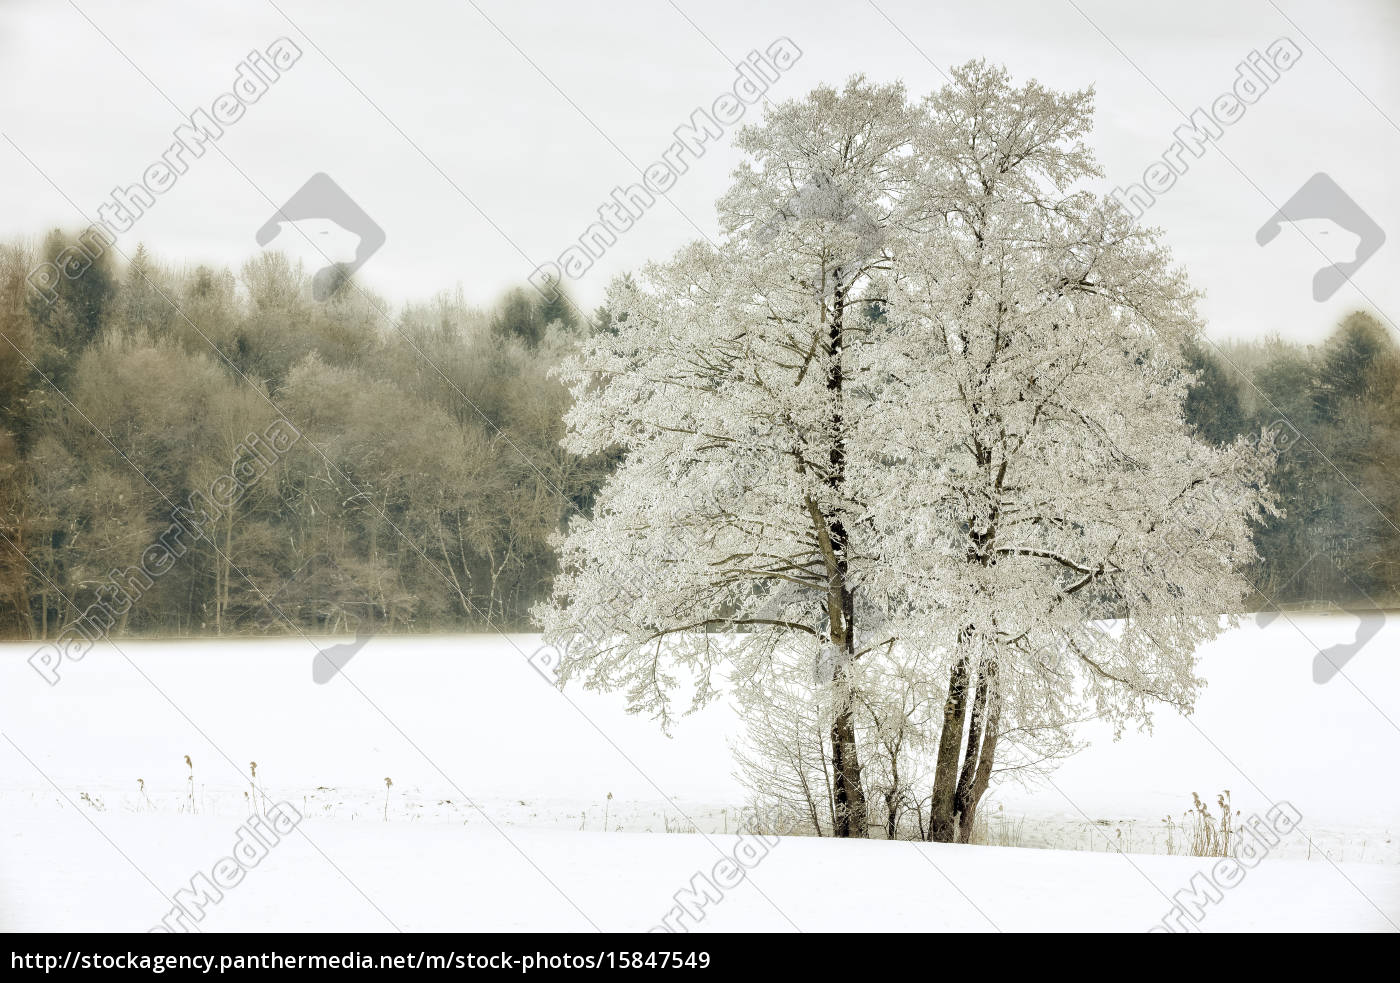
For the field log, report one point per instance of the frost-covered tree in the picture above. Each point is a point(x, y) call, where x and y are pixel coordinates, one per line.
point(734, 382)
point(1047, 334)
point(921, 406)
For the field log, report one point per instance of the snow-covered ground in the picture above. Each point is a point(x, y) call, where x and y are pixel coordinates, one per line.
point(434, 876)
point(500, 784)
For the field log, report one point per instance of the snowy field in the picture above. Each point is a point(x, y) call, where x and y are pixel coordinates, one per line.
point(499, 816)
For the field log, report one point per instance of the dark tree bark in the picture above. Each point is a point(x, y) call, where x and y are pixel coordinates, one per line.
point(983, 777)
point(942, 820)
point(979, 732)
point(851, 811)
point(851, 819)
point(892, 799)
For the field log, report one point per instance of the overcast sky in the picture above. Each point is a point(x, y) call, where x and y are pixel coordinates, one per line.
point(482, 137)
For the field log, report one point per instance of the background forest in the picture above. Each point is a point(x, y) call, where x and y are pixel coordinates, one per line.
point(429, 479)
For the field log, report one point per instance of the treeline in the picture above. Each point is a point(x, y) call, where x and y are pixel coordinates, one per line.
point(420, 494)
point(427, 478)
point(1338, 476)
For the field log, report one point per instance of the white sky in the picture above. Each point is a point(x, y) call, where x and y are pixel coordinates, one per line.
point(488, 122)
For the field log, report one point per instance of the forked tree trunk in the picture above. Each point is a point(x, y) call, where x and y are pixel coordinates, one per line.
point(979, 732)
point(942, 819)
point(983, 777)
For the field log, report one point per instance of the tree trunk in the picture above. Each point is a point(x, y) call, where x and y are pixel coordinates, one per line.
point(851, 811)
point(892, 798)
point(851, 817)
point(965, 798)
point(941, 813)
point(983, 777)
